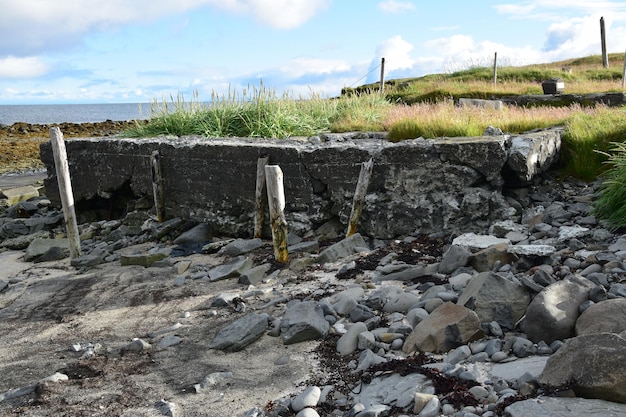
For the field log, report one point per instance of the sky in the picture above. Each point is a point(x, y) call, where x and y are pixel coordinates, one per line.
point(129, 51)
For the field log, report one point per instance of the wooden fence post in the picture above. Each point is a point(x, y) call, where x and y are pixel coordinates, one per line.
point(605, 57)
point(259, 197)
point(624, 73)
point(495, 68)
point(157, 186)
point(359, 196)
point(382, 75)
point(276, 199)
point(65, 190)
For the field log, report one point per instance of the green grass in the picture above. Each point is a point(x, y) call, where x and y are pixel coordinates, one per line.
point(611, 203)
point(588, 138)
point(260, 112)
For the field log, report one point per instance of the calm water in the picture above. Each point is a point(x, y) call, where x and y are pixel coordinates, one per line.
point(74, 113)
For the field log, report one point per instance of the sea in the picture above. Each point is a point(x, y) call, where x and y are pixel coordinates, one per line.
point(73, 113)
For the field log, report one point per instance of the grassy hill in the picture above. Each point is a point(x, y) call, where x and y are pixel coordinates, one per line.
point(580, 75)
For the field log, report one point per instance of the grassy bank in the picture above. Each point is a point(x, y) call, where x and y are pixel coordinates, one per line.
point(423, 107)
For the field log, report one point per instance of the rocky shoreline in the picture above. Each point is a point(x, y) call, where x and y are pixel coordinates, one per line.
point(19, 142)
point(525, 319)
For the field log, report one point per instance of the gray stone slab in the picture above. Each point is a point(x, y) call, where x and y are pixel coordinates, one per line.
point(565, 407)
point(510, 371)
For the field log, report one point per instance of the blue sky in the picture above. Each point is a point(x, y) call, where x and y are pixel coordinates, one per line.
point(111, 51)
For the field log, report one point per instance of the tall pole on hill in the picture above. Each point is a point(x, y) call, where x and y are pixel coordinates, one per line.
point(605, 58)
point(495, 68)
point(382, 75)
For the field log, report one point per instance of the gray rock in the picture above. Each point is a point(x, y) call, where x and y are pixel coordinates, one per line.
point(348, 342)
point(489, 258)
point(307, 412)
point(494, 298)
point(55, 253)
point(477, 242)
point(306, 246)
point(303, 321)
point(447, 327)
point(307, 398)
point(143, 259)
point(232, 269)
point(512, 371)
point(393, 389)
point(604, 317)
point(38, 247)
point(169, 341)
point(86, 261)
point(410, 273)
point(552, 314)
point(167, 408)
point(197, 234)
point(599, 371)
point(137, 345)
point(241, 246)
point(254, 275)
point(564, 407)
point(401, 302)
point(454, 258)
point(530, 155)
point(341, 249)
point(241, 333)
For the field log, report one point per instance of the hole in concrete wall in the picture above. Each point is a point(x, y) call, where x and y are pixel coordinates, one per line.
point(108, 205)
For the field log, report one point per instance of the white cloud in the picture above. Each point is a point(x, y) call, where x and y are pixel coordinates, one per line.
point(28, 27)
point(29, 67)
point(396, 6)
point(280, 14)
point(396, 52)
point(299, 67)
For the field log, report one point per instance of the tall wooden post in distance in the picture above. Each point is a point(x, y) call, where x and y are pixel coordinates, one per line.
point(495, 68)
point(382, 75)
point(65, 190)
point(605, 57)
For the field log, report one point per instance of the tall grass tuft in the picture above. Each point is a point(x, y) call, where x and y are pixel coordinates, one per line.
point(260, 112)
point(610, 205)
point(587, 140)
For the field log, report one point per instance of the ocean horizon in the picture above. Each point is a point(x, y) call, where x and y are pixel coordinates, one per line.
point(72, 113)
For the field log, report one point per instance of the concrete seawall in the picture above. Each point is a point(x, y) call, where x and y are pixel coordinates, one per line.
point(417, 185)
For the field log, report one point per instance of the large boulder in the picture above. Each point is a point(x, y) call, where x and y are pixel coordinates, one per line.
point(495, 298)
point(447, 327)
point(599, 371)
point(607, 316)
point(557, 407)
point(553, 312)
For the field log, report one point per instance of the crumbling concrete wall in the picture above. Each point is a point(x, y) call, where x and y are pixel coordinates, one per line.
point(418, 185)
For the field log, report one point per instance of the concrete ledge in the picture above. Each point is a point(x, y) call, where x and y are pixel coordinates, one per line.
point(417, 185)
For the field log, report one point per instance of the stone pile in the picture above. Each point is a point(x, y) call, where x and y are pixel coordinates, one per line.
point(526, 319)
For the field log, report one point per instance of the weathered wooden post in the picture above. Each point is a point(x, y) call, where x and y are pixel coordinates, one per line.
point(495, 68)
point(624, 73)
point(65, 190)
point(382, 75)
point(276, 199)
point(259, 196)
point(359, 196)
point(157, 186)
point(605, 58)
